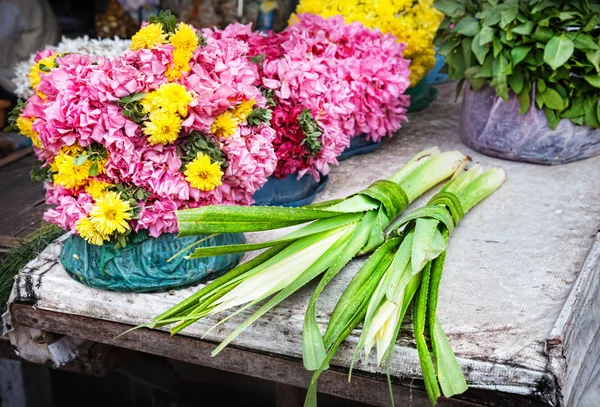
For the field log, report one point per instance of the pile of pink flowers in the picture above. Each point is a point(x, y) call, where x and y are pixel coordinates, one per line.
point(349, 78)
point(185, 119)
point(97, 131)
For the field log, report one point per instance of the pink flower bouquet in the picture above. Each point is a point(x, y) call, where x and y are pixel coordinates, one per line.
point(176, 122)
point(328, 81)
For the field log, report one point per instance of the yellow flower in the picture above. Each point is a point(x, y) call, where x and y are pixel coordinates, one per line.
point(87, 231)
point(66, 172)
point(185, 38)
point(97, 188)
point(35, 72)
point(243, 110)
point(169, 97)
point(25, 125)
point(148, 37)
point(163, 127)
point(110, 214)
point(173, 74)
point(203, 174)
point(181, 60)
point(224, 125)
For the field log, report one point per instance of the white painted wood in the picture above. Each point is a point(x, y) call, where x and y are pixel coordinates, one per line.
point(511, 267)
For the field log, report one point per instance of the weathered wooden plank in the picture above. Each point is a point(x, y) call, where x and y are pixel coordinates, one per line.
point(366, 388)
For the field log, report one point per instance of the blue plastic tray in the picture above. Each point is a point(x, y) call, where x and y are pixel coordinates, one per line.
point(359, 145)
point(290, 191)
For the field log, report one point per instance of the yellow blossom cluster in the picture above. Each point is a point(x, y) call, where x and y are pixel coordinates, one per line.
point(413, 22)
point(184, 41)
point(227, 122)
point(70, 173)
point(167, 106)
point(25, 125)
point(109, 215)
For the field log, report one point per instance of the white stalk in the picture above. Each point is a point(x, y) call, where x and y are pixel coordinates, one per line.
point(279, 275)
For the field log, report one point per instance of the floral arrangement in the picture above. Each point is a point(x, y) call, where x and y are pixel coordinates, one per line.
point(123, 143)
point(546, 53)
point(327, 81)
point(412, 22)
point(106, 47)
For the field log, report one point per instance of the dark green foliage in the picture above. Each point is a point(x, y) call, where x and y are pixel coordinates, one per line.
point(545, 51)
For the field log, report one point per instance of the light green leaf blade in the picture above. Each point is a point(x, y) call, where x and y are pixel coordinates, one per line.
point(558, 51)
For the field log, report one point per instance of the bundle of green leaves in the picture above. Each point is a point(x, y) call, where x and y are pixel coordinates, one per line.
point(545, 51)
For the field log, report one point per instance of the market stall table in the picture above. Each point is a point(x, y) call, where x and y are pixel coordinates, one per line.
point(520, 297)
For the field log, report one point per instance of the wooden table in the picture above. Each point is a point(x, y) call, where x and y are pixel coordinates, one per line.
point(519, 299)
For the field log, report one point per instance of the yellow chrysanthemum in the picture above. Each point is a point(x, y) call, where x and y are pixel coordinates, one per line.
point(25, 125)
point(171, 74)
point(169, 97)
point(87, 231)
point(243, 110)
point(97, 188)
point(185, 38)
point(67, 173)
point(224, 125)
point(203, 174)
point(163, 127)
point(110, 214)
point(414, 23)
point(35, 71)
point(148, 37)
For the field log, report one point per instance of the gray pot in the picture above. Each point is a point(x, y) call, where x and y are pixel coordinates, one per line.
point(495, 128)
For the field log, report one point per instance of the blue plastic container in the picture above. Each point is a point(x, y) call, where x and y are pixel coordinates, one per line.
point(434, 76)
point(421, 96)
point(290, 191)
point(359, 145)
point(143, 266)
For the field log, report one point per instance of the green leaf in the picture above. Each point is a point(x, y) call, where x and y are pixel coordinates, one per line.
point(500, 85)
point(558, 51)
point(553, 120)
point(594, 58)
point(258, 59)
point(590, 107)
point(486, 69)
point(593, 80)
point(79, 160)
point(471, 74)
point(94, 169)
point(543, 34)
point(452, 8)
point(510, 8)
point(576, 109)
point(515, 80)
point(486, 35)
point(480, 51)
point(524, 99)
point(497, 46)
point(500, 66)
point(518, 54)
point(492, 16)
point(552, 99)
point(468, 26)
point(524, 29)
point(585, 42)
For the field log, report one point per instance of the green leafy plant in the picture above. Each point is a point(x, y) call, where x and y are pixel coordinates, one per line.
point(545, 51)
point(13, 116)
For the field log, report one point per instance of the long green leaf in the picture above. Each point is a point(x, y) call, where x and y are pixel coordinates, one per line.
point(310, 273)
point(313, 348)
point(317, 226)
